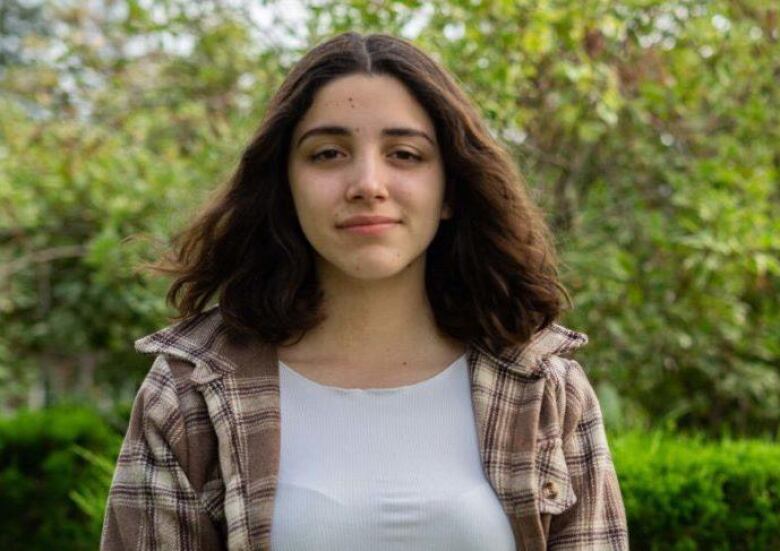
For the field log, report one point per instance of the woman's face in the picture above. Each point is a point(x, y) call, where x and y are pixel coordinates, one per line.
point(367, 148)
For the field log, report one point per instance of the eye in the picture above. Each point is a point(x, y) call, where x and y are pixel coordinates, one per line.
point(407, 155)
point(325, 154)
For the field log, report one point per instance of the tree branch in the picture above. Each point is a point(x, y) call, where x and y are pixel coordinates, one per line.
point(41, 256)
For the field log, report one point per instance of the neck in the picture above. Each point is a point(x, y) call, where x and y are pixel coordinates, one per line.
point(374, 319)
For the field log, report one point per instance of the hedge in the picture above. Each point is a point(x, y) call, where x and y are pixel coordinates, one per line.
point(41, 468)
point(685, 493)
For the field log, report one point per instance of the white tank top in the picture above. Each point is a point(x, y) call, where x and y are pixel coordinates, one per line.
point(383, 469)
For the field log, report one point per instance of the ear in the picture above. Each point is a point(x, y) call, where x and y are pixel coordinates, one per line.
point(446, 212)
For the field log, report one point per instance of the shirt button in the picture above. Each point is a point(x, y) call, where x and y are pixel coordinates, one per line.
point(550, 490)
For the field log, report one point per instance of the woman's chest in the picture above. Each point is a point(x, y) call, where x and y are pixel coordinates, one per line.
point(378, 374)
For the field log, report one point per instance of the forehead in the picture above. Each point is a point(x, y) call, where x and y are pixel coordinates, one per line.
point(370, 101)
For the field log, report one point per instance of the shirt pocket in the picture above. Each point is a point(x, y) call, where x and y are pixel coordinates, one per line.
point(555, 493)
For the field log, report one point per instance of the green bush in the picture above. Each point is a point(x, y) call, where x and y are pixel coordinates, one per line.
point(46, 482)
point(91, 496)
point(685, 493)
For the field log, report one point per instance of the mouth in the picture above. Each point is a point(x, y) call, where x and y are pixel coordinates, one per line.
point(370, 229)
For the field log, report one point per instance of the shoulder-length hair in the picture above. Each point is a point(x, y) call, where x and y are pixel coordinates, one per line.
point(491, 273)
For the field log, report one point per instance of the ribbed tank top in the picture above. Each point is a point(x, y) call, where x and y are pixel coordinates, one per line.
point(383, 469)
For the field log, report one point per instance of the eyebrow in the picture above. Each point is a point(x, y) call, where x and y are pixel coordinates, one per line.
point(344, 131)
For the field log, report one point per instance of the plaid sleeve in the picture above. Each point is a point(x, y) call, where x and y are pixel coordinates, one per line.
point(154, 502)
point(597, 521)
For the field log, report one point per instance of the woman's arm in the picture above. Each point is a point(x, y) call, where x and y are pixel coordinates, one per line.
point(597, 521)
point(156, 500)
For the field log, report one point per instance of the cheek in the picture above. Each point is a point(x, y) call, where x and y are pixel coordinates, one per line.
point(429, 198)
point(303, 191)
point(314, 206)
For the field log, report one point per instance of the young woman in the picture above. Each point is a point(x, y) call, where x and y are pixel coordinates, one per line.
point(382, 369)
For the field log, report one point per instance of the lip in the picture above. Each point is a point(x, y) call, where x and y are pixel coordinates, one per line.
point(367, 221)
point(370, 229)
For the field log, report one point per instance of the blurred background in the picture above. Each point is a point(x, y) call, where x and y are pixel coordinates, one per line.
point(648, 130)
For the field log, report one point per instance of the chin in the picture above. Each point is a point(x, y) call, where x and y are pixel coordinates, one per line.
point(367, 267)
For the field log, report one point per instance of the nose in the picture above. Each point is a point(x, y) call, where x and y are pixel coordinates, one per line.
point(367, 181)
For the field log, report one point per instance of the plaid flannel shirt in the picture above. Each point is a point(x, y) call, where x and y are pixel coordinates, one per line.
point(199, 463)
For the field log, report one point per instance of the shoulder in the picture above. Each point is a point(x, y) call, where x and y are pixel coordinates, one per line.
point(541, 370)
point(167, 396)
point(568, 392)
point(201, 348)
point(567, 375)
point(577, 407)
point(171, 413)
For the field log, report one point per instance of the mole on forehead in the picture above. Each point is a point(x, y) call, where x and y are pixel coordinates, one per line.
point(350, 100)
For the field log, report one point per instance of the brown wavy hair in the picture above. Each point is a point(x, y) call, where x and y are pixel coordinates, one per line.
point(491, 273)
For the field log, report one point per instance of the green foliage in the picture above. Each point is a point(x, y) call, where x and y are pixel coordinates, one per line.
point(88, 197)
point(91, 497)
point(44, 459)
point(683, 493)
point(647, 129)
